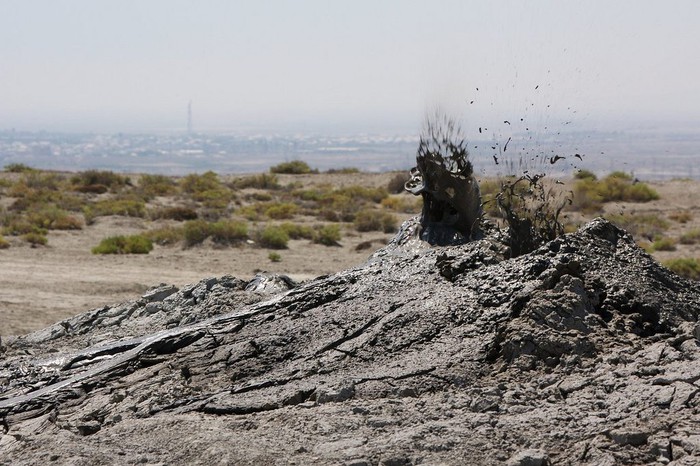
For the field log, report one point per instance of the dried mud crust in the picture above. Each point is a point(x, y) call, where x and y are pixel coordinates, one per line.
point(584, 351)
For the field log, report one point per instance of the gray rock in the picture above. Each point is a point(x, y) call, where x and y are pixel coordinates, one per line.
point(529, 458)
point(423, 354)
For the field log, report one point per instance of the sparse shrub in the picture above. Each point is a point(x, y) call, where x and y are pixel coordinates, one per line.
point(362, 193)
point(397, 183)
point(585, 175)
point(403, 203)
point(685, 267)
point(195, 232)
point(664, 244)
point(156, 185)
point(647, 226)
point(330, 215)
point(620, 186)
point(228, 231)
point(313, 194)
point(52, 218)
point(4, 244)
point(343, 171)
point(295, 167)
point(328, 235)
point(375, 220)
point(690, 237)
point(590, 193)
point(91, 189)
point(133, 244)
point(35, 238)
point(681, 216)
point(179, 214)
point(99, 177)
point(16, 225)
point(295, 231)
point(586, 197)
point(260, 181)
point(274, 257)
point(207, 189)
point(221, 232)
point(124, 207)
point(18, 168)
point(260, 196)
point(42, 181)
point(273, 237)
point(252, 212)
point(640, 192)
point(166, 235)
point(281, 211)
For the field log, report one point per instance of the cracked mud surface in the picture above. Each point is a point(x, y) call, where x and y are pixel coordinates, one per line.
point(585, 351)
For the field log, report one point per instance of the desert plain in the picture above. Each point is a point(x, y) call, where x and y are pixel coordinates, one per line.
point(43, 284)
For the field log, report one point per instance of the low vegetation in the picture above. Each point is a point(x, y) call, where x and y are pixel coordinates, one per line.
point(229, 211)
point(685, 267)
point(133, 244)
point(328, 235)
point(295, 167)
point(223, 232)
point(273, 237)
point(590, 193)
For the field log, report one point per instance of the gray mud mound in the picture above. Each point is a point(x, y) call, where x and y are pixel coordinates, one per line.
point(584, 351)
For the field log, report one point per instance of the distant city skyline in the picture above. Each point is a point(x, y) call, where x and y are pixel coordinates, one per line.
point(339, 67)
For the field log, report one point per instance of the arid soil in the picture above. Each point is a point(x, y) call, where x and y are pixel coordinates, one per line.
point(45, 284)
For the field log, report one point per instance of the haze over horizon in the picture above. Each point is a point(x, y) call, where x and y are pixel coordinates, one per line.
point(363, 66)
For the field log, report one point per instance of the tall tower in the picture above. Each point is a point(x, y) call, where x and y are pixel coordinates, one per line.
point(189, 117)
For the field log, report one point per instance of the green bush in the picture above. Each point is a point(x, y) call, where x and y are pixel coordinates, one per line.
point(15, 226)
point(18, 168)
point(35, 238)
point(134, 244)
point(375, 220)
point(295, 231)
point(179, 214)
point(664, 244)
point(274, 257)
point(681, 217)
point(124, 207)
point(261, 181)
point(343, 170)
point(195, 232)
point(280, 211)
point(403, 203)
point(207, 189)
point(99, 177)
point(295, 167)
point(585, 175)
point(685, 267)
point(4, 244)
point(590, 193)
point(221, 232)
point(273, 237)
point(42, 181)
point(690, 237)
point(156, 185)
point(328, 235)
point(52, 218)
point(166, 235)
point(91, 189)
point(640, 225)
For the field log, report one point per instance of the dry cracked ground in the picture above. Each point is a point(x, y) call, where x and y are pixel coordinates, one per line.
point(585, 351)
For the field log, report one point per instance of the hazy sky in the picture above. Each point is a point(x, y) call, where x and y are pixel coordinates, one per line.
point(366, 65)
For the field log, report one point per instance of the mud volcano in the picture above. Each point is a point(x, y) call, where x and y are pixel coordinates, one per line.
point(584, 351)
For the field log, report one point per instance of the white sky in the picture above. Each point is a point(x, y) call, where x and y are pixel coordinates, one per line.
point(369, 65)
